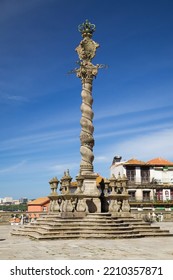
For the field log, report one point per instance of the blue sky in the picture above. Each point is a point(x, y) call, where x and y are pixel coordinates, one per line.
point(40, 102)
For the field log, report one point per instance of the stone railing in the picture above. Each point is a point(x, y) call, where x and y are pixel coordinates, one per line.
point(113, 196)
point(67, 202)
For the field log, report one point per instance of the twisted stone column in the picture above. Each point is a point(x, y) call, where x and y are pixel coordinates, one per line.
point(87, 71)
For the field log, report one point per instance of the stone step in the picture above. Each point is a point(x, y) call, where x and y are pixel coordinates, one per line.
point(110, 235)
point(139, 223)
point(91, 226)
point(82, 224)
point(144, 227)
point(133, 221)
point(86, 231)
point(77, 232)
point(99, 215)
point(87, 228)
point(153, 230)
point(157, 234)
point(85, 236)
point(81, 219)
point(96, 227)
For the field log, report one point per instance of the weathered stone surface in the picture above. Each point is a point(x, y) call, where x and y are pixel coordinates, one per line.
point(86, 249)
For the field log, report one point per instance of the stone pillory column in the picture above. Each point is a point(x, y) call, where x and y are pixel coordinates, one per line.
point(87, 71)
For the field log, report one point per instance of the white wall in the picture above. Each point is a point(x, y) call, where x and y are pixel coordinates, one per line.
point(7, 200)
point(162, 176)
point(138, 175)
point(116, 169)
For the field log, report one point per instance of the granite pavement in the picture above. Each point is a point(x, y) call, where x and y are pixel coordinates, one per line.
point(148, 248)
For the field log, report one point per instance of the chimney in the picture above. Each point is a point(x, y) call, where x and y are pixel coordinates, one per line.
point(116, 159)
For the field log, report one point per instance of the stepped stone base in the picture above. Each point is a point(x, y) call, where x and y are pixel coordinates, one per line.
point(93, 225)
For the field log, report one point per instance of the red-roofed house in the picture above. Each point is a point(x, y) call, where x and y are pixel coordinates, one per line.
point(146, 180)
point(39, 205)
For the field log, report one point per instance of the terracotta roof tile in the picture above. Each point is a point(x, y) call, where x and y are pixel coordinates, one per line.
point(134, 161)
point(159, 161)
point(40, 201)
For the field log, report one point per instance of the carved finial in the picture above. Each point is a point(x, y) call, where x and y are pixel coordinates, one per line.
point(87, 29)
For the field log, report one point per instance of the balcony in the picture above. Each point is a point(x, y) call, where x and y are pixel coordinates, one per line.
point(131, 179)
point(145, 180)
point(151, 203)
point(162, 182)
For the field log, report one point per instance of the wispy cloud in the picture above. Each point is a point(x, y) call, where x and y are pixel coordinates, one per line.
point(101, 159)
point(135, 118)
point(133, 130)
point(16, 8)
point(60, 168)
point(39, 139)
point(125, 109)
point(13, 168)
point(7, 98)
point(145, 147)
point(17, 98)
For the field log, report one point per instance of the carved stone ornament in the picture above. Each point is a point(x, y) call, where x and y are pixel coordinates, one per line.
point(114, 206)
point(87, 49)
point(81, 206)
point(125, 206)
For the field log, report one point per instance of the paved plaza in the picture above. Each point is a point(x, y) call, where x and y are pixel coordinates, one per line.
point(23, 248)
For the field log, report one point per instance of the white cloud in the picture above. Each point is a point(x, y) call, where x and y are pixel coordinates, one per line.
point(133, 130)
point(101, 159)
point(13, 168)
point(60, 168)
point(6, 98)
point(130, 107)
point(39, 138)
point(17, 98)
point(145, 147)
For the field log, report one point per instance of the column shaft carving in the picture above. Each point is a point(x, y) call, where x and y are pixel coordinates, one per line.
point(86, 72)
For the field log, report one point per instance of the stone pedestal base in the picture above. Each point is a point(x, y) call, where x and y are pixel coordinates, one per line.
point(94, 205)
point(72, 214)
point(92, 193)
point(90, 185)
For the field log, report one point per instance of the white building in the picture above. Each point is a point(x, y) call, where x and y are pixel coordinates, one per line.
point(146, 180)
point(7, 200)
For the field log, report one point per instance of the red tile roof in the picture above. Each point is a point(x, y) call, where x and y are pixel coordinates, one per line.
point(134, 161)
point(160, 162)
point(39, 201)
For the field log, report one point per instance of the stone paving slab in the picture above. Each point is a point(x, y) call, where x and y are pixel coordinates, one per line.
point(149, 248)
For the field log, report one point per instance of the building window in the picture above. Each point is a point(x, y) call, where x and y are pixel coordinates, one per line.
point(131, 174)
point(145, 175)
point(44, 208)
point(159, 195)
point(171, 194)
point(132, 196)
point(146, 195)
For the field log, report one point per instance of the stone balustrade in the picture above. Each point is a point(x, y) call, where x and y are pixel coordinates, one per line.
point(113, 195)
